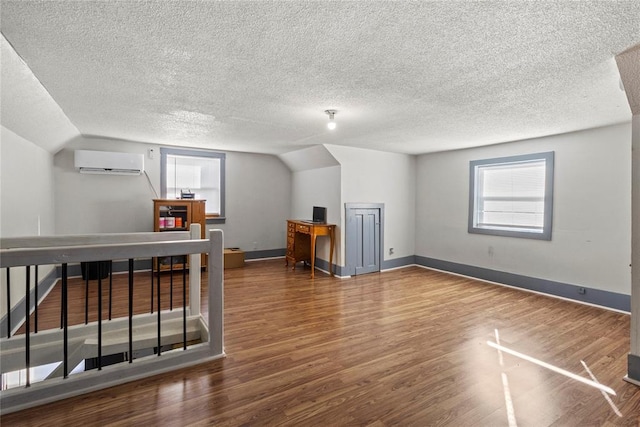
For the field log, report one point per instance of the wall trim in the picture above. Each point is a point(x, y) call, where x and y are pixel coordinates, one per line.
point(320, 263)
point(268, 253)
point(323, 266)
point(611, 300)
point(633, 369)
point(392, 264)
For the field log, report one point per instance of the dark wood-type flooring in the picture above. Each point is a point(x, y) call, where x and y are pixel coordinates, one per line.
point(407, 347)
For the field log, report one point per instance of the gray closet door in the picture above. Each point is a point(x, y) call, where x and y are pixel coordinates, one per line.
point(366, 239)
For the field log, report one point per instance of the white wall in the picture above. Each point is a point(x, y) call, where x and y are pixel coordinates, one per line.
point(370, 176)
point(33, 127)
point(26, 202)
point(27, 187)
point(258, 200)
point(591, 240)
point(635, 239)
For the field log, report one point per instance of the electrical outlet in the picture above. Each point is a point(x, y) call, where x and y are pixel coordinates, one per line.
point(151, 153)
point(390, 251)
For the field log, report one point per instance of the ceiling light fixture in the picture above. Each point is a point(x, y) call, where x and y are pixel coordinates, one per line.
point(332, 124)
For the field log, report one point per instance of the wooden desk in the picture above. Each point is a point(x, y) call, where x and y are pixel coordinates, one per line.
point(301, 242)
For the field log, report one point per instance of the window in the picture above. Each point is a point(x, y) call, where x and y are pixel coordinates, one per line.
point(512, 196)
point(196, 171)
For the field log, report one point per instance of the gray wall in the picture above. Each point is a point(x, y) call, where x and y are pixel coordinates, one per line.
point(87, 204)
point(333, 175)
point(370, 176)
point(591, 238)
point(258, 199)
point(258, 202)
point(319, 187)
point(316, 181)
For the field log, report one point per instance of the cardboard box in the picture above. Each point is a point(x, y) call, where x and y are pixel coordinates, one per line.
point(233, 258)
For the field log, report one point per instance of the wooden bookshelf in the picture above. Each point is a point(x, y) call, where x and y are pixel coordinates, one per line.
point(177, 215)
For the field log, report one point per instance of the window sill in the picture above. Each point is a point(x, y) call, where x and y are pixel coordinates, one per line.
point(544, 235)
point(216, 220)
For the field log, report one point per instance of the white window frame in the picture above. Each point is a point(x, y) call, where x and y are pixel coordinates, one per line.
point(212, 217)
point(476, 198)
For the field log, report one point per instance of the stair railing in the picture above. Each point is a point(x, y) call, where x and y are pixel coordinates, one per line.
point(21, 351)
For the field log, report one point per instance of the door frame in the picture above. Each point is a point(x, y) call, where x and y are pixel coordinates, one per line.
point(350, 232)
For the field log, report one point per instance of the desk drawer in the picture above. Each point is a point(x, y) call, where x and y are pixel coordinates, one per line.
point(303, 228)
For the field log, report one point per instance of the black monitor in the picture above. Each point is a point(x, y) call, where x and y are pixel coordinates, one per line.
point(319, 214)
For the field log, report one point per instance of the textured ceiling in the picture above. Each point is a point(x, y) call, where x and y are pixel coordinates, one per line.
point(410, 77)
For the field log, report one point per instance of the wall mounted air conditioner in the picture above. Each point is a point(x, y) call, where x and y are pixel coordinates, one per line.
point(108, 163)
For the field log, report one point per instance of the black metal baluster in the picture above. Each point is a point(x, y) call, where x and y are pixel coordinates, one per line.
point(110, 286)
point(99, 316)
point(171, 287)
point(61, 310)
point(86, 295)
point(65, 322)
point(27, 342)
point(184, 306)
point(159, 311)
point(157, 262)
point(8, 303)
point(131, 310)
point(35, 326)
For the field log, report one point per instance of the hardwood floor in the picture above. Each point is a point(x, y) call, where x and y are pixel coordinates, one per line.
point(406, 347)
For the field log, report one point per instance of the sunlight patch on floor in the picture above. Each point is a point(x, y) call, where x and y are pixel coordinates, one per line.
point(553, 368)
point(606, 397)
point(511, 413)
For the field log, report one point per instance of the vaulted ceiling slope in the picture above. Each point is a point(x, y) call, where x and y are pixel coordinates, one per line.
point(408, 77)
point(27, 108)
